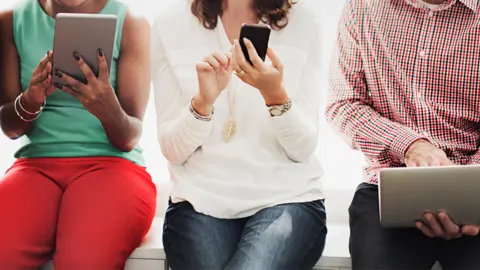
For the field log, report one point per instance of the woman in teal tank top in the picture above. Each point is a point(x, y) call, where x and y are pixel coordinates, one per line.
point(78, 190)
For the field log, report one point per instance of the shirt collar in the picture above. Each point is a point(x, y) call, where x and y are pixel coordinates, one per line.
point(471, 4)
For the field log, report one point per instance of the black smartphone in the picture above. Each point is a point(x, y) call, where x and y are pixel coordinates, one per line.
point(259, 35)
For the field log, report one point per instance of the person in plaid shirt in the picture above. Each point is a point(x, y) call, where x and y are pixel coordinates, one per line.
point(405, 92)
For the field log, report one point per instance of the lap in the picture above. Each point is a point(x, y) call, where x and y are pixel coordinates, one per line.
point(287, 236)
point(461, 254)
point(103, 217)
point(194, 241)
point(375, 247)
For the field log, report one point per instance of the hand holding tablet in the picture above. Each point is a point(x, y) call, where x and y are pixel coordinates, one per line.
point(442, 226)
point(82, 59)
point(444, 199)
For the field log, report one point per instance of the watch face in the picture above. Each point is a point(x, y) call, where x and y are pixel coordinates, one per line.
point(275, 112)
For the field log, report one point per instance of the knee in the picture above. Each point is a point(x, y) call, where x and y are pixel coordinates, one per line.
point(199, 256)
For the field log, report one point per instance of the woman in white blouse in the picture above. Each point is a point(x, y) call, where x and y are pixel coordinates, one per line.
point(240, 139)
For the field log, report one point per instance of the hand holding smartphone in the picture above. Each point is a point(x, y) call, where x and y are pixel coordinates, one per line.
point(259, 35)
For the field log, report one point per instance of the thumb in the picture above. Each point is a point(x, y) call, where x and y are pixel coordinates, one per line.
point(446, 162)
point(228, 67)
point(470, 230)
point(50, 90)
point(203, 66)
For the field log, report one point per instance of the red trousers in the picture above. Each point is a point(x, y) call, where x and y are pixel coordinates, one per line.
point(90, 213)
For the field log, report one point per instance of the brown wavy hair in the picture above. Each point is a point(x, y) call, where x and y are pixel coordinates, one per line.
point(271, 12)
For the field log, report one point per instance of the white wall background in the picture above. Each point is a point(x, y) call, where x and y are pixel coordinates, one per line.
point(342, 166)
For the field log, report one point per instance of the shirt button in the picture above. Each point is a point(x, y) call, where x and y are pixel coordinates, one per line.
point(423, 53)
point(430, 14)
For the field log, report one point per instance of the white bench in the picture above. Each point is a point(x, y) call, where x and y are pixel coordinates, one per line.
point(151, 256)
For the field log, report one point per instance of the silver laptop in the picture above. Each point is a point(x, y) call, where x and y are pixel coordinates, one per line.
point(405, 194)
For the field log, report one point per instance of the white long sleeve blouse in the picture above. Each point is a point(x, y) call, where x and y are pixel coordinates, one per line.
point(270, 160)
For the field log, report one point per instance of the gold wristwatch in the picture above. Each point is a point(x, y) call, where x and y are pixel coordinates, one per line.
point(279, 110)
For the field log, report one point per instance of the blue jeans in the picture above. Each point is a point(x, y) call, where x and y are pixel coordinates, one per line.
point(282, 237)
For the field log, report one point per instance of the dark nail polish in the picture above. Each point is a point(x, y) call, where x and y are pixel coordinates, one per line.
point(58, 74)
point(100, 52)
point(76, 56)
point(58, 85)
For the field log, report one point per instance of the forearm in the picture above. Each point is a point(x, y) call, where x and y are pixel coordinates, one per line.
point(181, 137)
point(377, 137)
point(123, 131)
point(297, 133)
point(12, 125)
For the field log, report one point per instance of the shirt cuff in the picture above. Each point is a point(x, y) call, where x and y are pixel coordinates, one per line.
point(402, 142)
point(475, 159)
point(286, 120)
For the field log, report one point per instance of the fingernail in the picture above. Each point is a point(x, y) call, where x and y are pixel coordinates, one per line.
point(245, 39)
point(100, 52)
point(235, 42)
point(58, 85)
point(58, 74)
point(76, 56)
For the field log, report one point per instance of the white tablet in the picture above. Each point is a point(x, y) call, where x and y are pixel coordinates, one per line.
point(84, 34)
point(405, 194)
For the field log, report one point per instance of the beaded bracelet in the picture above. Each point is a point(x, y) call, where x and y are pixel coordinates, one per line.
point(197, 115)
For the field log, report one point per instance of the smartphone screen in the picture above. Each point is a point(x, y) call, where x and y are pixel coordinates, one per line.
point(259, 35)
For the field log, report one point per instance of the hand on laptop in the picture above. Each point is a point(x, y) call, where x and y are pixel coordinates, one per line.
point(441, 226)
point(422, 153)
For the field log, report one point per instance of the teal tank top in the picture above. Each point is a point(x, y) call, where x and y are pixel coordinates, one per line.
point(65, 128)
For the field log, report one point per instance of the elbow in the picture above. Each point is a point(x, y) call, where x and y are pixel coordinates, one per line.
point(305, 153)
point(12, 135)
point(127, 147)
point(302, 156)
point(330, 112)
point(172, 158)
point(169, 152)
point(336, 115)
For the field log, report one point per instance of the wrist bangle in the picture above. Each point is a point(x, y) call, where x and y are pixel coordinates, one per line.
point(27, 112)
point(197, 115)
point(15, 106)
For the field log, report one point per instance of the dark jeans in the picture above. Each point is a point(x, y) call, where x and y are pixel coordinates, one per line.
point(374, 247)
point(283, 237)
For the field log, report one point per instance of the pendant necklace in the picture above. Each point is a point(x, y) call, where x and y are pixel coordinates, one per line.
point(230, 127)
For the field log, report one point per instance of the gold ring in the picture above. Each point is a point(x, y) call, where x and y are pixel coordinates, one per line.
point(239, 73)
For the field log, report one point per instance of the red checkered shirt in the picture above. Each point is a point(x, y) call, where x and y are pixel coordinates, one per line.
point(404, 72)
